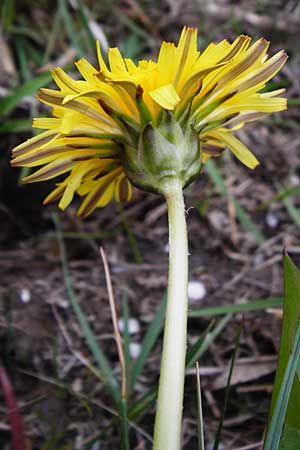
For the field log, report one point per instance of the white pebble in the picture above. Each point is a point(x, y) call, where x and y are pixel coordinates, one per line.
point(133, 325)
point(272, 220)
point(25, 295)
point(196, 290)
point(77, 385)
point(134, 349)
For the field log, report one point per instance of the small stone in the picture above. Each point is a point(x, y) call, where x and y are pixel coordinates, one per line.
point(134, 349)
point(196, 290)
point(25, 295)
point(272, 220)
point(133, 325)
point(77, 385)
point(258, 259)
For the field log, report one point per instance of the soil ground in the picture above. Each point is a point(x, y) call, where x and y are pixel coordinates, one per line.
point(62, 403)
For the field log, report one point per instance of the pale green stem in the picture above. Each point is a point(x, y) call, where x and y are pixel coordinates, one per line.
point(167, 429)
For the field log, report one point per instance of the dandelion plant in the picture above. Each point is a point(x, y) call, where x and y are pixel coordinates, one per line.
point(153, 125)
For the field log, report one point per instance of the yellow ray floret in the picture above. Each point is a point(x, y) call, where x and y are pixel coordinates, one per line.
point(94, 140)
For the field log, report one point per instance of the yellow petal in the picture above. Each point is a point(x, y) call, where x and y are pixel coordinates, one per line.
point(36, 142)
point(103, 66)
point(87, 70)
point(166, 96)
point(64, 81)
point(46, 123)
point(168, 63)
point(116, 61)
point(73, 182)
point(55, 194)
point(237, 148)
point(95, 197)
point(187, 52)
point(239, 45)
point(51, 170)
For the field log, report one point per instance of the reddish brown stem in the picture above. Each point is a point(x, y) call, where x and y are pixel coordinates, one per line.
point(16, 425)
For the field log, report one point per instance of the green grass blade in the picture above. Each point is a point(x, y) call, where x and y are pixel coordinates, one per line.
point(199, 412)
point(282, 194)
point(291, 313)
point(22, 59)
point(274, 434)
point(148, 342)
point(138, 258)
point(292, 211)
point(142, 403)
point(194, 353)
point(124, 425)
point(68, 22)
point(8, 103)
point(227, 391)
point(254, 305)
point(16, 126)
point(126, 337)
point(8, 11)
point(294, 102)
point(242, 215)
point(211, 337)
point(148, 399)
point(91, 340)
point(84, 17)
point(56, 24)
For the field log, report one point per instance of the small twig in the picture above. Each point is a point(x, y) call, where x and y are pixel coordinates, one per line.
point(251, 446)
point(117, 334)
point(84, 361)
point(97, 403)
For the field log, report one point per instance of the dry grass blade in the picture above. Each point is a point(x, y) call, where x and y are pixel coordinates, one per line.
point(199, 411)
point(117, 334)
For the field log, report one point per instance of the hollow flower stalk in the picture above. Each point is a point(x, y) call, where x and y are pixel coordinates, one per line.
point(153, 125)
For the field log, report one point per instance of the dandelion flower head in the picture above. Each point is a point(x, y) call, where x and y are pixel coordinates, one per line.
point(100, 118)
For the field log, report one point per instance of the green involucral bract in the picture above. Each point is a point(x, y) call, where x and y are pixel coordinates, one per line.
point(164, 153)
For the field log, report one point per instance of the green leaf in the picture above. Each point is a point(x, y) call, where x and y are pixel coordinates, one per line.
point(291, 313)
point(279, 417)
point(290, 439)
